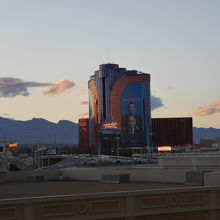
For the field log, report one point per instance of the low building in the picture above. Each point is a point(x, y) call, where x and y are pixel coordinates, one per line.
point(9, 147)
point(172, 131)
point(83, 133)
point(2, 147)
point(213, 142)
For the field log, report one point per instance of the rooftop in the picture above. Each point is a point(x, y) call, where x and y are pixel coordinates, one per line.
point(11, 190)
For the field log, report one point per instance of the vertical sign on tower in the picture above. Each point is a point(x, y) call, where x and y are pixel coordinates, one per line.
point(132, 121)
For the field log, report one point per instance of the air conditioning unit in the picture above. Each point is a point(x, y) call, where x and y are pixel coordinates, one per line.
point(115, 178)
point(195, 177)
point(36, 178)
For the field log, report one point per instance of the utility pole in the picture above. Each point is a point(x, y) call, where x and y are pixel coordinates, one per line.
point(117, 143)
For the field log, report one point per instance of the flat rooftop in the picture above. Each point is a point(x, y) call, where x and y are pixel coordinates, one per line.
point(11, 190)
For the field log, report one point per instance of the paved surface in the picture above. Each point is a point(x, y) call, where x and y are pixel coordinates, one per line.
point(33, 189)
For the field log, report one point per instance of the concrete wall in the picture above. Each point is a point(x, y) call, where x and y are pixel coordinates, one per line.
point(190, 160)
point(3, 164)
point(158, 175)
point(211, 178)
point(3, 176)
point(136, 174)
point(196, 203)
point(49, 175)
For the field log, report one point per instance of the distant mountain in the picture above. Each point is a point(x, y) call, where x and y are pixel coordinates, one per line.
point(205, 133)
point(39, 130)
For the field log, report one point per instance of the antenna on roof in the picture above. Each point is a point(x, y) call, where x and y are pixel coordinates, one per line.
point(107, 56)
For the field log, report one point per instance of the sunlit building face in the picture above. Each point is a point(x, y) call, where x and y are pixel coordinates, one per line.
point(107, 87)
point(115, 94)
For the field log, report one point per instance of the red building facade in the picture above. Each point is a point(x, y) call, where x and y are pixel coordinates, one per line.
point(83, 133)
point(172, 131)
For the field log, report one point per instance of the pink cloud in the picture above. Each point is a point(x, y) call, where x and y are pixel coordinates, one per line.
point(59, 87)
point(209, 109)
point(84, 103)
point(84, 91)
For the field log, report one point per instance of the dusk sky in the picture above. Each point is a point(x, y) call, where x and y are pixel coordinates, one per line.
point(50, 48)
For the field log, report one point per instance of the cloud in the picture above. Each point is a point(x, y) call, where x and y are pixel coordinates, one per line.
point(84, 115)
point(5, 114)
point(156, 102)
point(11, 87)
point(59, 87)
point(209, 109)
point(84, 103)
point(84, 91)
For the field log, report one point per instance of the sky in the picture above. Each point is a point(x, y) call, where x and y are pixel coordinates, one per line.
point(50, 48)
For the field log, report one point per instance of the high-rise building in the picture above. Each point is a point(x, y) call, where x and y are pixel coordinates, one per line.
point(122, 97)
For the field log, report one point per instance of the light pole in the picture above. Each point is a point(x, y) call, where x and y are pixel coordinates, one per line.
point(151, 146)
point(117, 142)
point(99, 147)
point(79, 158)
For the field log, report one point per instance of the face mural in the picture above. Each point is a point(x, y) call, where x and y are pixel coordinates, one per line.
point(133, 115)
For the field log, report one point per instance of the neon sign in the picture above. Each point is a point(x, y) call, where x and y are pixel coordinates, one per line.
point(164, 148)
point(111, 125)
point(13, 144)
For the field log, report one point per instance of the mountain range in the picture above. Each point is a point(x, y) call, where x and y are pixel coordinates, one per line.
point(205, 133)
point(39, 130)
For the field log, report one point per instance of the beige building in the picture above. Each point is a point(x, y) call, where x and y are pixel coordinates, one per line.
point(177, 188)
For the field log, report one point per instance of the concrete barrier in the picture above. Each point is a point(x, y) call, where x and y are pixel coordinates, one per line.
point(158, 175)
point(211, 178)
point(115, 178)
point(83, 174)
point(3, 176)
point(136, 174)
point(49, 175)
point(3, 164)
